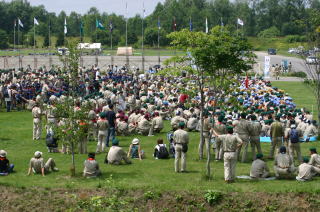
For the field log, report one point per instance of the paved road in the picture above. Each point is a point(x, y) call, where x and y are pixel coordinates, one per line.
point(104, 61)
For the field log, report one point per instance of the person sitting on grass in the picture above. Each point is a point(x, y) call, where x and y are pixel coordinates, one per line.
point(5, 166)
point(160, 150)
point(135, 150)
point(306, 171)
point(91, 166)
point(116, 154)
point(283, 164)
point(38, 166)
point(259, 168)
point(315, 158)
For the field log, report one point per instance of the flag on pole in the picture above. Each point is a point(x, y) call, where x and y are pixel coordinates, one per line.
point(15, 23)
point(240, 22)
point(81, 27)
point(159, 24)
point(111, 26)
point(65, 26)
point(20, 23)
point(99, 25)
point(144, 10)
point(35, 21)
point(174, 24)
point(207, 28)
point(190, 25)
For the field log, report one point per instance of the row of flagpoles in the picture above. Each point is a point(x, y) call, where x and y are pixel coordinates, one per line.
point(99, 25)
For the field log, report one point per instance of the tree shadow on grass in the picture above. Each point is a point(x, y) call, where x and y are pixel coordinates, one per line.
point(5, 139)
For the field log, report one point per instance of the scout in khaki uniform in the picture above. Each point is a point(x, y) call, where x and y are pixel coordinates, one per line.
point(307, 171)
point(181, 140)
point(144, 125)
point(255, 132)
point(276, 134)
point(294, 142)
point(156, 124)
point(243, 130)
point(283, 164)
point(38, 166)
point(91, 167)
point(259, 168)
point(230, 144)
point(36, 113)
point(102, 125)
point(220, 129)
point(315, 158)
point(206, 134)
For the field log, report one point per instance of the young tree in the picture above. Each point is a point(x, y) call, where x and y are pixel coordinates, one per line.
point(73, 126)
point(215, 59)
point(3, 39)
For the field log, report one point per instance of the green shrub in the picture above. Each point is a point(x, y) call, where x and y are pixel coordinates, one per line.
point(298, 74)
point(295, 38)
point(212, 196)
point(269, 33)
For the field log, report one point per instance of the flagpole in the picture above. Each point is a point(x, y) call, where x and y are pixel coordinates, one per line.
point(126, 24)
point(50, 58)
point(158, 40)
point(143, 39)
point(14, 35)
point(18, 41)
point(34, 44)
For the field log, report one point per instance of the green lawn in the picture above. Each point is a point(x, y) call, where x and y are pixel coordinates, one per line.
point(149, 174)
point(302, 95)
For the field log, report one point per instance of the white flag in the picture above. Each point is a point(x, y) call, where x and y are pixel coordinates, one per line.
point(207, 28)
point(19, 22)
point(240, 22)
point(35, 21)
point(144, 11)
point(65, 26)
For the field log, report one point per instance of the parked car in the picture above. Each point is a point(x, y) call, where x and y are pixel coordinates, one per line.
point(312, 60)
point(63, 51)
point(272, 51)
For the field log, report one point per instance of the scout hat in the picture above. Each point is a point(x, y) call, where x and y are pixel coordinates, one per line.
point(135, 141)
point(37, 154)
point(3, 153)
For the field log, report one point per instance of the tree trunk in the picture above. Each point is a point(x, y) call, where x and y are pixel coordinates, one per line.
point(73, 166)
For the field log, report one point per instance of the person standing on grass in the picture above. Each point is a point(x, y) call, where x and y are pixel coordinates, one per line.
point(102, 125)
point(243, 130)
point(91, 166)
point(38, 166)
point(36, 113)
point(111, 117)
point(5, 166)
point(276, 134)
point(181, 140)
point(294, 142)
point(231, 143)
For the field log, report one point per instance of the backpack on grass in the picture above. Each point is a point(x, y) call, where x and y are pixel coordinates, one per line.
point(163, 152)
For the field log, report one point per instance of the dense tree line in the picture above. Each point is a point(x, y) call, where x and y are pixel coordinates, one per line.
point(260, 17)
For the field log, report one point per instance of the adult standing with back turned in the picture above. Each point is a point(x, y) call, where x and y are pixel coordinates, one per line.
point(181, 140)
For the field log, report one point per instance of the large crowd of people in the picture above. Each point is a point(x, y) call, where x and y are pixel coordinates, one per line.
point(123, 102)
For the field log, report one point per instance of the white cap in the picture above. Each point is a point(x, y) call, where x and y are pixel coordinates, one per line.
point(3, 153)
point(37, 154)
point(135, 141)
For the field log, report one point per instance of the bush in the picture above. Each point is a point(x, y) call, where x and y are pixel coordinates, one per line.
point(212, 196)
point(300, 74)
point(295, 38)
point(269, 33)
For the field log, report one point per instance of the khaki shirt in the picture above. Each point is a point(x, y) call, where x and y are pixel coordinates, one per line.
point(157, 122)
point(102, 124)
point(283, 161)
point(258, 168)
point(243, 127)
point(220, 128)
point(181, 136)
point(230, 142)
point(36, 112)
point(315, 160)
point(306, 171)
point(276, 130)
point(255, 129)
point(192, 123)
point(116, 155)
point(36, 164)
point(91, 168)
point(144, 124)
point(311, 130)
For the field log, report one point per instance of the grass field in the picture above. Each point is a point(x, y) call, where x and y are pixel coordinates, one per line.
point(146, 178)
point(16, 134)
